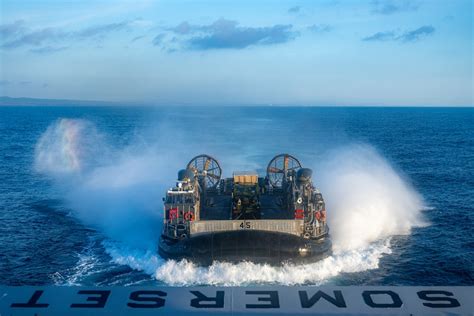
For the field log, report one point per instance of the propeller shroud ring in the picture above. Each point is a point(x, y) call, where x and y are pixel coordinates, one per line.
point(279, 167)
point(207, 169)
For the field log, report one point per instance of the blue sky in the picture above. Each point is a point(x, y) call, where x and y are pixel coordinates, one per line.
point(328, 52)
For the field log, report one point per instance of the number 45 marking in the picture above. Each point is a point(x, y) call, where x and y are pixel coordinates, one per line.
point(245, 225)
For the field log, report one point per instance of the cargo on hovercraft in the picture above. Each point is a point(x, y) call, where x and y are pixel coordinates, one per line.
point(273, 219)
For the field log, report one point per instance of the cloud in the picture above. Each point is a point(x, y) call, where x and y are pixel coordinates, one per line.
point(406, 37)
point(13, 29)
point(320, 28)
point(36, 38)
point(381, 36)
point(417, 34)
point(243, 37)
point(158, 39)
point(184, 28)
point(227, 34)
point(294, 9)
point(47, 49)
point(99, 30)
point(18, 35)
point(387, 7)
point(221, 34)
point(137, 38)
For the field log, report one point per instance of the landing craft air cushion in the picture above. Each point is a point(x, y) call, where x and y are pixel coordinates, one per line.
point(273, 219)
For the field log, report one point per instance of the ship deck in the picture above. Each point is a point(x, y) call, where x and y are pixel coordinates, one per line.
point(217, 206)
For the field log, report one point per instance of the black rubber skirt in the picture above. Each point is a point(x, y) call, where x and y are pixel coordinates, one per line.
point(246, 245)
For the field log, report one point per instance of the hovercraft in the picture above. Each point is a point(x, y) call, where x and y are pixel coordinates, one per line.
point(273, 219)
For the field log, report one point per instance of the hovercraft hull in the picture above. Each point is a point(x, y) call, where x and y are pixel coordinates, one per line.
point(246, 245)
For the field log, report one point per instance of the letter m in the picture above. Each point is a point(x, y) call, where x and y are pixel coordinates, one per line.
point(337, 300)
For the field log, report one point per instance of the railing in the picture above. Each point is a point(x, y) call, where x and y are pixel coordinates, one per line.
point(294, 227)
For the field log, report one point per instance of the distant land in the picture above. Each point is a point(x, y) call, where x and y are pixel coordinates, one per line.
point(8, 101)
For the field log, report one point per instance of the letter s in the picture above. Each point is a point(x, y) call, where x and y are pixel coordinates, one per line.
point(447, 302)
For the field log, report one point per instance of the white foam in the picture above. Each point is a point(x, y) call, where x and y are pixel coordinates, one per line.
point(366, 198)
point(184, 272)
point(116, 192)
point(68, 146)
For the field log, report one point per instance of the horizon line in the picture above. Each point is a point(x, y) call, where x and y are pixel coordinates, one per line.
point(52, 102)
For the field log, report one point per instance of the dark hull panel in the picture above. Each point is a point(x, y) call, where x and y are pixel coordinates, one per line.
point(246, 245)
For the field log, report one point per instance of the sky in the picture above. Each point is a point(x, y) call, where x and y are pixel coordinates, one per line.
point(194, 52)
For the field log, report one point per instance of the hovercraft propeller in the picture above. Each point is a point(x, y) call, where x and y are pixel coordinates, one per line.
point(207, 169)
point(279, 167)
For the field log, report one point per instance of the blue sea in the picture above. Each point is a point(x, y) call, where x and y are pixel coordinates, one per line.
point(81, 191)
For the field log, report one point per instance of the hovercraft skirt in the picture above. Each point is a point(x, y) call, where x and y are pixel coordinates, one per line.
point(246, 245)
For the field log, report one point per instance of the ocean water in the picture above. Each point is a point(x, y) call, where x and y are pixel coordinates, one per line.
point(81, 189)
